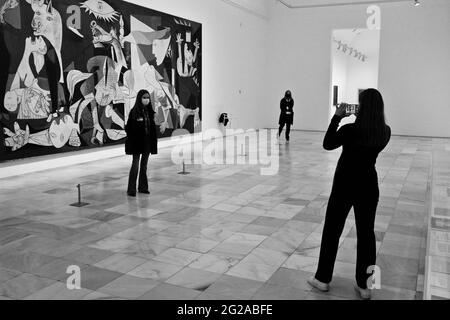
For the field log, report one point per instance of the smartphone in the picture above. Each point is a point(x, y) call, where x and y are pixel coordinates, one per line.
point(352, 109)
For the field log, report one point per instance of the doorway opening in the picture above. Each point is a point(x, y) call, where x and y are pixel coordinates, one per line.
point(355, 63)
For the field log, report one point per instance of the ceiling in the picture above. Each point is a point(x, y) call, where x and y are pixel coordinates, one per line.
point(256, 7)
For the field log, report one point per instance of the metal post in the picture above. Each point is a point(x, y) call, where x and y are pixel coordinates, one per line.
point(242, 153)
point(184, 172)
point(79, 204)
point(79, 193)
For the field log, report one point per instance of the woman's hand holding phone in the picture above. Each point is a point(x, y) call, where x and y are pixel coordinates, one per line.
point(341, 110)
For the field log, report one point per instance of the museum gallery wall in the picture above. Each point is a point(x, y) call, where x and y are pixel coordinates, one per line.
point(70, 71)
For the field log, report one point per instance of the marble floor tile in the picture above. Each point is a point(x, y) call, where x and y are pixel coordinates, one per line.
point(145, 213)
point(113, 244)
point(266, 257)
point(177, 256)
point(57, 269)
point(128, 287)
point(241, 217)
point(399, 280)
point(155, 270)
point(232, 226)
point(11, 235)
point(286, 240)
point(163, 240)
point(93, 278)
point(224, 206)
point(7, 274)
point(280, 292)
point(58, 291)
point(104, 216)
point(137, 233)
point(23, 286)
point(88, 255)
point(345, 270)
point(398, 249)
point(240, 288)
point(301, 262)
point(24, 261)
point(31, 243)
point(165, 291)
point(181, 231)
point(341, 287)
point(291, 278)
point(86, 238)
point(215, 262)
point(319, 296)
point(397, 265)
point(47, 230)
point(214, 296)
point(391, 293)
point(200, 245)
point(120, 262)
point(195, 279)
point(269, 222)
point(215, 234)
point(95, 295)
point(253, 271)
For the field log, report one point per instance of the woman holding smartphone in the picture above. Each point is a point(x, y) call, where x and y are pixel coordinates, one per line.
point(355, 185)
point(141, 141)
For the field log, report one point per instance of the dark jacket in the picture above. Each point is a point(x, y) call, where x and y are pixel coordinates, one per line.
point(138, 141)
point(355, 171)
point(285, 108)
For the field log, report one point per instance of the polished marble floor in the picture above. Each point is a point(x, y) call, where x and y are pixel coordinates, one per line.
point(221, 232)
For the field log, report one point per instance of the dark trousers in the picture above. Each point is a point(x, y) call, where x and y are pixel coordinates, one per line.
point(143, 182)
point(337, 211)
point(288, 130)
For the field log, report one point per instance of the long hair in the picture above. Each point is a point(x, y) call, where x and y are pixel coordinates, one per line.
point(138, 108)
point(370, 120)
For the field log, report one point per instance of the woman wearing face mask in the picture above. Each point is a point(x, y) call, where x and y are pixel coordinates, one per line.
point(286, 115)
point(141, 141)
point(355, 185)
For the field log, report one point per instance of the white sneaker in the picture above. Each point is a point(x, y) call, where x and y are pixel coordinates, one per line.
point(321, 286)
point(364, 294)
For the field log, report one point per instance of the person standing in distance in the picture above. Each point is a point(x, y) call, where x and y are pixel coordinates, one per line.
point(141, 141)
point(286, 114)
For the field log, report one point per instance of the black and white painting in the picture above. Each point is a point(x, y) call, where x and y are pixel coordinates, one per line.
point(70, 71)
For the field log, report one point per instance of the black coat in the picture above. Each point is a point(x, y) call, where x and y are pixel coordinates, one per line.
point(285, 107)
point(137, 141)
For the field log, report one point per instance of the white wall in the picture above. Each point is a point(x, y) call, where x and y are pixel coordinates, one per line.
point(363, 75)
point(415, 68)
point(414, 75)
point(357, 74)
point(339, 76)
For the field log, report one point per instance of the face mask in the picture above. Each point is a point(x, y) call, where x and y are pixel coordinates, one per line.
point(145, 101)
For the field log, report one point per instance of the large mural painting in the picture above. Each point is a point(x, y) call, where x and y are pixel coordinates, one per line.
point(70, 71)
